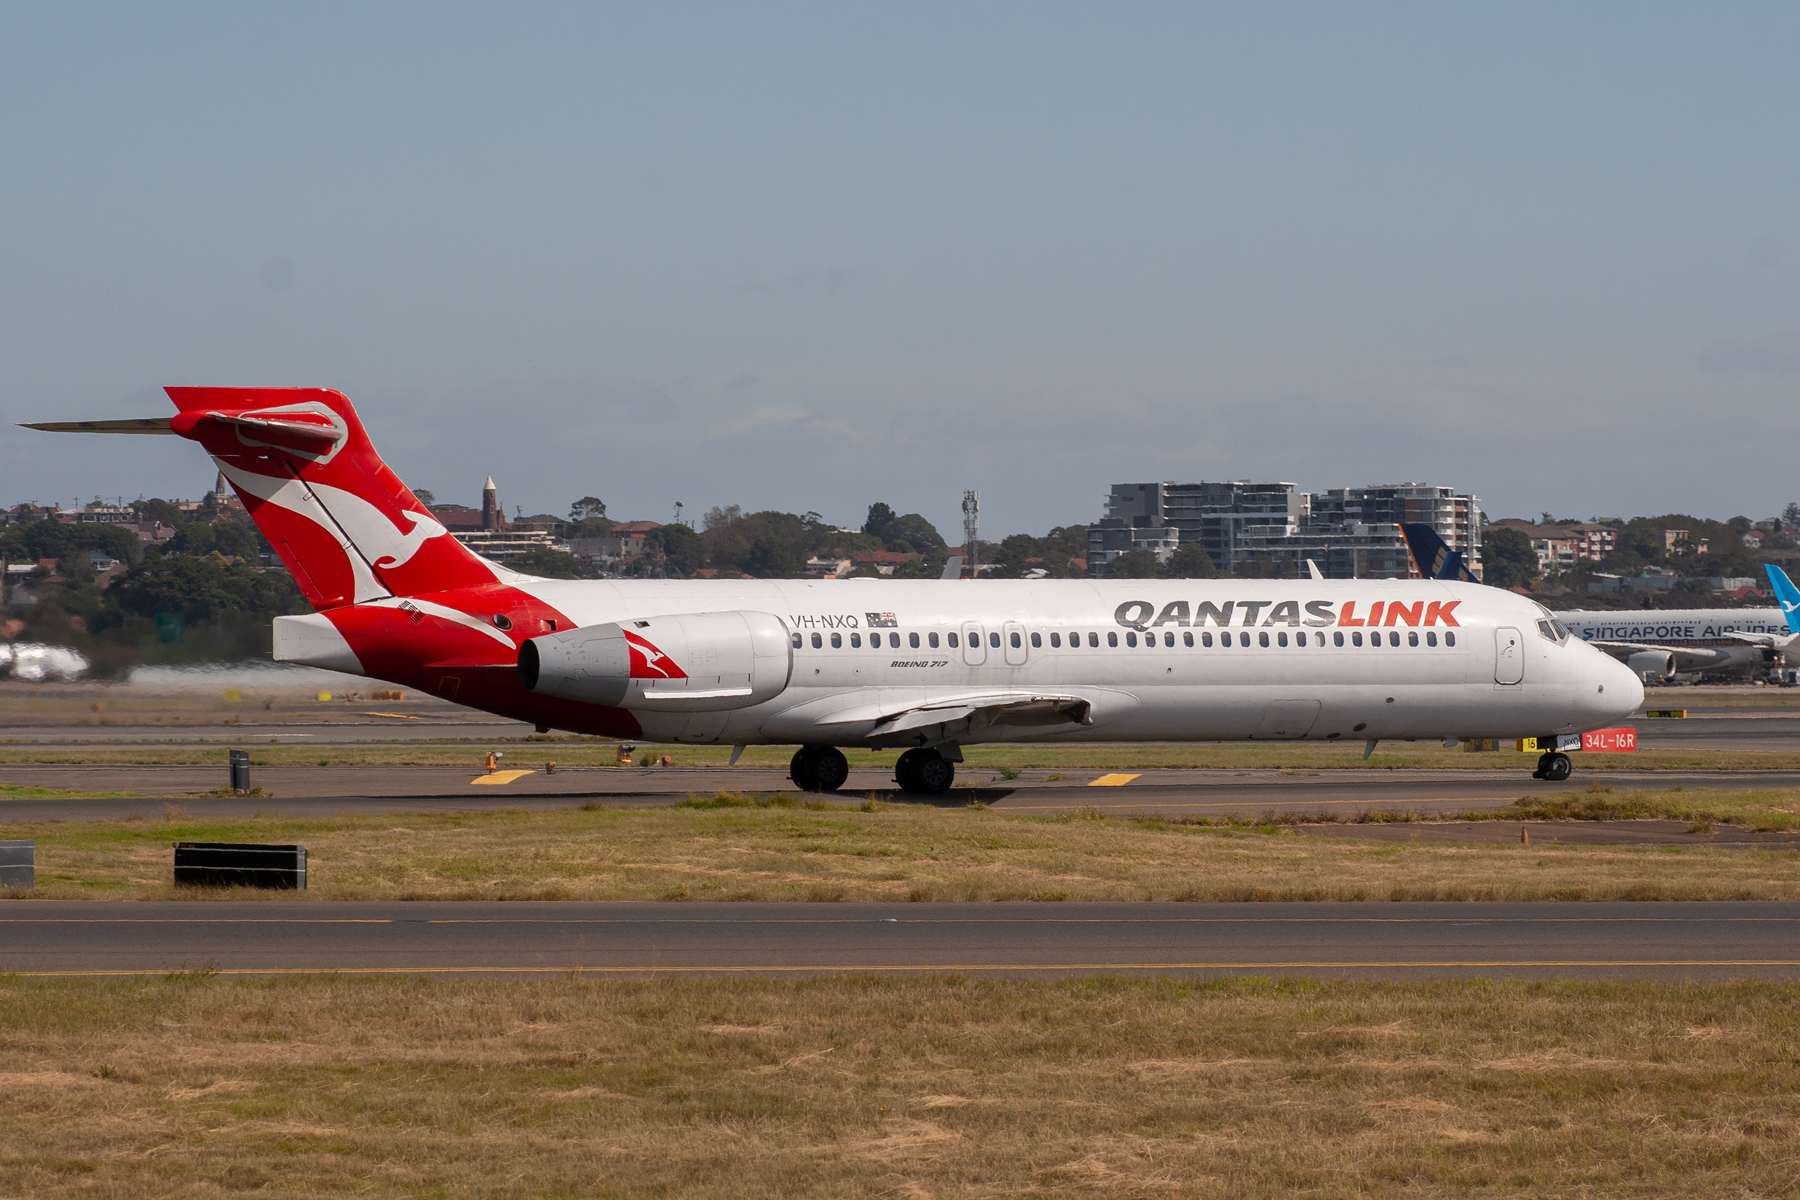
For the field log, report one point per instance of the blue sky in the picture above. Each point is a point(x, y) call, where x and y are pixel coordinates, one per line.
point(794, 257)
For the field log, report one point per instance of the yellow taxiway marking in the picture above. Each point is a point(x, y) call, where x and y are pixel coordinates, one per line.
point(500, 777)
point(1267, 965)
point(397, 716)
point(1112, 781)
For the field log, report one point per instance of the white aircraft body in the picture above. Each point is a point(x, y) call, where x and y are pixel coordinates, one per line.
point(923, 666)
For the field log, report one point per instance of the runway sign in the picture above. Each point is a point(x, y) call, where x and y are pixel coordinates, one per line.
point(1610, 741)
point(235, 864)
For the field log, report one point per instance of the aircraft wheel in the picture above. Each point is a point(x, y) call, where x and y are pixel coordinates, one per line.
point(1543, 765)
point(924, 771)
point(818, 769)
point(1558, 768)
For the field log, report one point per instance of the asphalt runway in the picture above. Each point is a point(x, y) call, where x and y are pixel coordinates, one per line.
point(327, 791)
point(1673, 941)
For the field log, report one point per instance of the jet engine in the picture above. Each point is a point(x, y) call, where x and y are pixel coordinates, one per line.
point(691, 662)
point(1652, 666)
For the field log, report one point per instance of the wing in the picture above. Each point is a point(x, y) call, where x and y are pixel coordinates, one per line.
point(1686, 658)
point(956, 718)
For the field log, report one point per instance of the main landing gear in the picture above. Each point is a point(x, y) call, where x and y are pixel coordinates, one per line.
point(926, 771)
point(819, 769)
point(1553, 767)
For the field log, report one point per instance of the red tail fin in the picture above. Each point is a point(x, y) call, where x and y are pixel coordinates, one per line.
point(344, 524)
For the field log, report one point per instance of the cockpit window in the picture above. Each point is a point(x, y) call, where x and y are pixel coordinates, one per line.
point(1554, 630)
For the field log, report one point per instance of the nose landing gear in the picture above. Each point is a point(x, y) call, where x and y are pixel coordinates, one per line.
point(1553, 767)
point(819, 769)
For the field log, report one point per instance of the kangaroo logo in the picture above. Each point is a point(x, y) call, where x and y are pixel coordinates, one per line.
point(648, 662)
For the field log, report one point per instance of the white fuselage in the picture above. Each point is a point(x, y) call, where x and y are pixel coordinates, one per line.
point(1164, 660)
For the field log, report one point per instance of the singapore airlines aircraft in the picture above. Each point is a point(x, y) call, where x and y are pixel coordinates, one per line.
point(1658, 644)
point(924, 667)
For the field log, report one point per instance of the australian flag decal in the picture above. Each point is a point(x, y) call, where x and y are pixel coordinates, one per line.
point(881, 620)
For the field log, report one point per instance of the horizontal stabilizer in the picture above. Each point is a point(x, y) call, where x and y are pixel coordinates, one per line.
point(128, 425)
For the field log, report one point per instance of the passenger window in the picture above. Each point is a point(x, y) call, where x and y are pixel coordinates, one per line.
point(1431, 639)
point(952, 638)
point(1449, 638)
point(933, 639)
point(796, 641)
point(1243, 639)
point(893, 641)
point(1355, 639)
point(1337, 639)
point(837, 641)
point(1094, 641)
point(817, 641)
point(1168, 639)
point(1412, 638)
point(1393, 637)
point(1036, 641)
point(1055, 641)
point(1131, 639)
point(1224, 641)
point(1205, 639)
point(912, 639)
point(1263, 640)
point(1112, 638)
point(994, 640)
point(1015, 639)
point(856, 641)
point(1187, 639)
point(1281, 639)
point(1299, 639)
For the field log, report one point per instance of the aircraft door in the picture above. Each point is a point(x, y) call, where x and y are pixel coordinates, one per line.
point(974, 644)
point(1509, 655)
point(1012, 641)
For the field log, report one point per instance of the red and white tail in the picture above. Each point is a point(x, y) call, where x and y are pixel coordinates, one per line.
point(346, 527)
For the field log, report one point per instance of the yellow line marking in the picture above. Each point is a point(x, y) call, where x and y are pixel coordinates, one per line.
point(1113, 780)
point(397, 716)
point(845, 967)
point(500, 777)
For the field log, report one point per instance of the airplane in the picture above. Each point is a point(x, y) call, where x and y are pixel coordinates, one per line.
point(926, 667)
point(1656, 644)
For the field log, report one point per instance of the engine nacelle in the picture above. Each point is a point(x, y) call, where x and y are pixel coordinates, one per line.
point(692, 662)
point(1652, 666)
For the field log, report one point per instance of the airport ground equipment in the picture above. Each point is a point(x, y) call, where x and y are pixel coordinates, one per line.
point(18, 864)
point(240, 864)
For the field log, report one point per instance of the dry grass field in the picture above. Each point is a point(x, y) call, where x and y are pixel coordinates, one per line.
point(736, 848)
point(851, 1086)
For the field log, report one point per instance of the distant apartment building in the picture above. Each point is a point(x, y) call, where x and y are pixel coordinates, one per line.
point(1351, 533)
point(1560, 547)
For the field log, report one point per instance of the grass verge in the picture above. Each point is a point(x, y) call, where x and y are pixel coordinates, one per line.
point(588, 752)
point(730, 847)
point(856, 1087)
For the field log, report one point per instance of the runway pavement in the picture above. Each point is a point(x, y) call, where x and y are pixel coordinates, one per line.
point(325, 791)
point(1670, 941)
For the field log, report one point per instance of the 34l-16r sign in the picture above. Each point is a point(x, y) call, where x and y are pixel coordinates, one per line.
point(1621, 740)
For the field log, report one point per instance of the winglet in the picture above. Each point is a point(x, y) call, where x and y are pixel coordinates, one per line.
point(1786, 594)
point(952, 567)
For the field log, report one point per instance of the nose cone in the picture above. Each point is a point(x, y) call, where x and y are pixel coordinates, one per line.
point(1614, 691)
